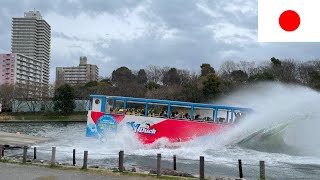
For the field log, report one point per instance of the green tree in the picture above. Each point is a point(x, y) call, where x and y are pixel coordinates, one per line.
point(152, 85)
point(64, 99)
point(315, 79)
point(239, 76)
point(275, 62)
point(142, 77)
point(91, 84)
point(206, 69)
point(107, 81)
point(171, 77)
point(122, 75)
point(191, 90)
point(211, 86)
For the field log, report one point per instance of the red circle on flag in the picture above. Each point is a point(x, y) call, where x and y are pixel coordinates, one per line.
point(289, 20)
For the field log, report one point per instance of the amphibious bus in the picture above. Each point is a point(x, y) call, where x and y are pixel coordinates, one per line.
point(152, 119)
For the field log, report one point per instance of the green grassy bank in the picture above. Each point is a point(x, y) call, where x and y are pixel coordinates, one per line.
point(40, 116)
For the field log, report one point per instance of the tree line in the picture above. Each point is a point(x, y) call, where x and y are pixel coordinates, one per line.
point(182, 85)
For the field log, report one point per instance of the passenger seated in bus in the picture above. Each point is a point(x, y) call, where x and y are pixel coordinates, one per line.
point(197, 117)
point(111, 110)
point(139, 112)
point(132, 111)
point(143, 112)
point(221, 120)
point(207, 118)
point(152, 113)
point(120, 111)
point(177, 115)
point(163, 113)
point(187, 116)
point(173, 114)
point(237, 117)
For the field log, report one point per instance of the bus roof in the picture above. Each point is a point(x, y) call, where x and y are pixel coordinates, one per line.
point(171, 103)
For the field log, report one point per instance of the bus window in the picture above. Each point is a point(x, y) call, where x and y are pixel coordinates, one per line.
point(157, 110)
point(108, 105)
point(238, 116)
point(230, 117)
point(203, 114)
point(222, 116)
point(180, 112)
point(135, 108)
point(118, 107)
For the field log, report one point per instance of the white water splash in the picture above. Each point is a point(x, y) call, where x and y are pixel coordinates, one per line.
point(276, 104)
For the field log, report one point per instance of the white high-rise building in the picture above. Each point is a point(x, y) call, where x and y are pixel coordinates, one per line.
point(31, 36)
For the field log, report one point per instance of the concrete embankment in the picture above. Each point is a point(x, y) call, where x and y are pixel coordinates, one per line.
point(45, 117)
point(19, 140)
point(41, 121)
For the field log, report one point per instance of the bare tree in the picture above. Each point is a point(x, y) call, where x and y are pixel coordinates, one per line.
point(227, 67)
point(156, 73)
point(32, 93)
point(6, 96)
point(304, 70)
point(247, 67)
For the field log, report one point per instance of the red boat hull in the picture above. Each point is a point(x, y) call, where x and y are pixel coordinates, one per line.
point(151, 129)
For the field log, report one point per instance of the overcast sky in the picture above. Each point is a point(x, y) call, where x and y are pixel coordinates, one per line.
point(132, 33)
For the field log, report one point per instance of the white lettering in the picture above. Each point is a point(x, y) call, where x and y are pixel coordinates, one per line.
point(145, 130)
point(138, 128)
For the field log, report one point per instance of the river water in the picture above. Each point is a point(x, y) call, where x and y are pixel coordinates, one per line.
point(283, 132)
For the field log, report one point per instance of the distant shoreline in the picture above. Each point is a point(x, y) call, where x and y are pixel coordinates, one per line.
point(42, 117)
point(40, 121)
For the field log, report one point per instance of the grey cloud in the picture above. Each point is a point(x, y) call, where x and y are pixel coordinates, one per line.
point(66, 36)
point(118, 6)
point(180, 14)
point(68, 7)
point(181, 53)
point(18, 7)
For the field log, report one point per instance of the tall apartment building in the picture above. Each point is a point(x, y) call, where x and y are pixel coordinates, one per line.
point(31, 36)
point(78, 75)
point(18, 68)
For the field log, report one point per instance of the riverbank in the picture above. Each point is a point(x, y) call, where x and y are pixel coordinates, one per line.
point(43, 170)
point(43, 117)
point(13, 171)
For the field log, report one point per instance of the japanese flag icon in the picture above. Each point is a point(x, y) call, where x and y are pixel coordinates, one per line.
point(288, 20)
